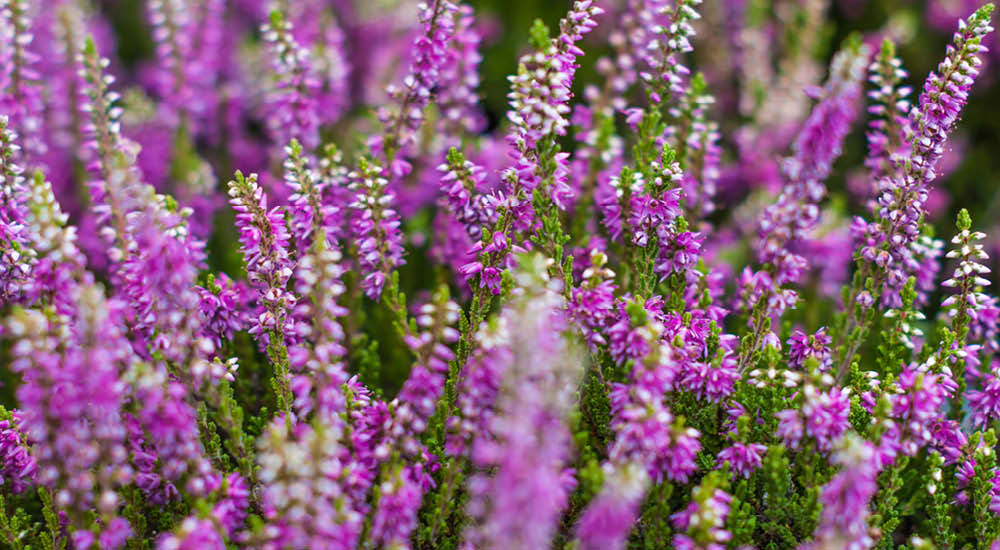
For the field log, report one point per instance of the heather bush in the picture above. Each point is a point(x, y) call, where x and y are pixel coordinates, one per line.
point(290, 281)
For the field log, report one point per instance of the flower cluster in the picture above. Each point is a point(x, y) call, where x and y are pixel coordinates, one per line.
point(648, 311)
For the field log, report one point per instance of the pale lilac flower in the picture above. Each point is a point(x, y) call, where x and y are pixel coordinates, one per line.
point(522, 488)
point(610, 517)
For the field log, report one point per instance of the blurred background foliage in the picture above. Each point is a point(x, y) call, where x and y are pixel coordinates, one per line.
point(922, 30)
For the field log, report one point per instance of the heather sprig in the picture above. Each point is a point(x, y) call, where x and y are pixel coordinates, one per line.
point(294, 109)
point(430, 58)
point(526, 444)
point(376, 226)
point(883, 258)
point(889, 109)
point(20, 89)
point(15, 247)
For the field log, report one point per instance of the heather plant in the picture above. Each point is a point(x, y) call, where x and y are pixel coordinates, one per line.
point(290, 283)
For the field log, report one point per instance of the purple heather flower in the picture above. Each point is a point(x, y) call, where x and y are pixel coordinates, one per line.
point(459, 78)
point(703, 521)
point(60, 264)
point(157, 278)
point(707, 377)
point(313, 217)
point(18, 469)
point(430, 57)
point(889, 109)
point(539, 104)
point(918, 402)
point(20, 81)
point(647, 433)
point(15, 247)
point(663, 37)
point(59, 34)
point(492, 255)
point(964, 474)
point(376, 226)
point(232, 500)
point(703, 156)
point(399, 501)
point(948, 439)
point(822, 416)
point(814, 346)
point(422, 389)
point(714, 380)
point(187, 35)
point(592, 305)
point(819, 142)
point(401, 494)
point(969, 275)
point(903, 194)
point(316, 27)
point(479, 385)
point(264, 239)
point(224, 307)
point(168, 426)
point(743, 458)
point(643, 210)
point(628, 335)
point(463, 184)
point(985, 402)
point(318, 355)
point(451, 246)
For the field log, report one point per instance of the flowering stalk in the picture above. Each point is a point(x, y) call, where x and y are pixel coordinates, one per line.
point(458, 97)
point(902, 195)
point(667, 34)
point(60, 263)
point(402, 485)
point(20, 93)
point(172, 35)
point(18, 468)
point(539, 103)
point(305, 502)
point(967, 302)
point(539, 98)
point(430, 57)
point(293, 107)
point(264, 240)
point(376, 226)
point(15, 248)
point(526, 443)
point(796, 210)
point(318, 357)
point(72, 398)
point(889, 109)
